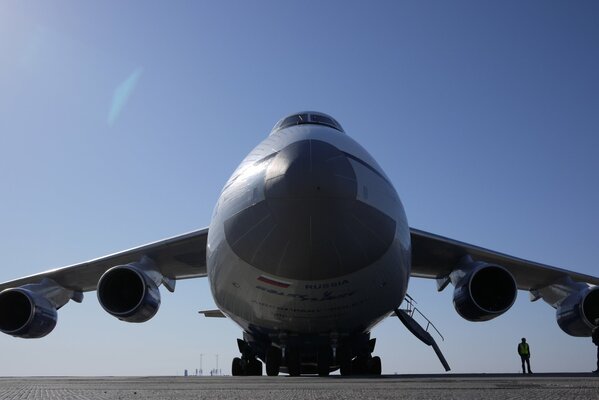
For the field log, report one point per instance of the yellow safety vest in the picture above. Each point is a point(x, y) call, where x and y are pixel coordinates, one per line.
point(523, 349)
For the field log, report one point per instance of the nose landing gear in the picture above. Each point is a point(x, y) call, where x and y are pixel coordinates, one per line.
point(294, 362)
point(324, 360)
point(273, 361)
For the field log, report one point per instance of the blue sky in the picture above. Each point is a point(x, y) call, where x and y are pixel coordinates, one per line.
point(121, 121)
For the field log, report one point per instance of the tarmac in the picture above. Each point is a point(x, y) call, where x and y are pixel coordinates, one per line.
point(449, 386)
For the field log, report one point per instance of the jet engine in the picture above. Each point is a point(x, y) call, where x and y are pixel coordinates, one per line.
point(483, 291)
point(128, 293)
point(25, 314)
point(577, 313)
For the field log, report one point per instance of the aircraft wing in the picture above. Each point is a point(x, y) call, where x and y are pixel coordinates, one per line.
point(179, 257)
point(436, 256)
point(483, 290)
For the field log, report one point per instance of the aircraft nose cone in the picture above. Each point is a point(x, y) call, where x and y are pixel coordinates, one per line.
point(310, 187)
point(310, 171)
point(310, 225)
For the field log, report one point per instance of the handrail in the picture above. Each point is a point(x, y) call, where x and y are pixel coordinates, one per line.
point(411, 309)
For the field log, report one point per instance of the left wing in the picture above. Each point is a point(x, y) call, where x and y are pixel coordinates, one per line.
point(179, 257)
point(28, 305)
point(486, 281)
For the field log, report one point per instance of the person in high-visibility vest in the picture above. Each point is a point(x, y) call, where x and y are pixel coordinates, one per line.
point(524, 352)
point(595, 338)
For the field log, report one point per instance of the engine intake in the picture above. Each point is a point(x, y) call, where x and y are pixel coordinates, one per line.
point(26, 314)
point(484, 292)
point(128, 293)
point(577, 313)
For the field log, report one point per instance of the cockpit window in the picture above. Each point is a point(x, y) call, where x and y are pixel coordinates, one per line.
point(296, 119)
point(322, 119)
point(307, 118)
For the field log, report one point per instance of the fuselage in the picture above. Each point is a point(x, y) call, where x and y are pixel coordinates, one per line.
point(308, 237)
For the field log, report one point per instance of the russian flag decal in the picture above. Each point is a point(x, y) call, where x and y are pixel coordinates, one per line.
point(273, 282)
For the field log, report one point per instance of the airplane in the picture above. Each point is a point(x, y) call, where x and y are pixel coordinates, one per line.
point(308, 249)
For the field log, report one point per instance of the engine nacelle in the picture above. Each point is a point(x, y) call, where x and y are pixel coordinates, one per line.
point(26, 314)
point(577, 313)
point(484, 291)
point(128, 293)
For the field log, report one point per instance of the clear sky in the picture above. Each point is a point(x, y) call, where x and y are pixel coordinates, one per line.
point(120, 122)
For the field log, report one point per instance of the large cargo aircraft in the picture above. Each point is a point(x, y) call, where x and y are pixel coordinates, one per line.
point(307, 250)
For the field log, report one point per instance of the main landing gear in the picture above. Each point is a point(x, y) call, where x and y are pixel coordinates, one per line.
point(248, 364)
point(351, 358)
point(359, 361)
point(364, 366)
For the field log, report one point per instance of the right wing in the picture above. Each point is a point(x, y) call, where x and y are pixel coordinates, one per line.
point(435, 256)
point(486, 282)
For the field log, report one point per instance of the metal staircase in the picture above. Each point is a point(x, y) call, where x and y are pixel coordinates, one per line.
point(406, 316)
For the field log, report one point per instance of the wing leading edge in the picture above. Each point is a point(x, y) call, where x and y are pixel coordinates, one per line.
point(435, 256)
point(126, 283)
point(486, 282)
point(179, 257)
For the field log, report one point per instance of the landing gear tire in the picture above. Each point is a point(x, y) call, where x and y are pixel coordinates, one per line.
point(345, 367)
point(273, 361)
point(236, 367)
point(358, 366)
point(255, 367)
point(241, 367)
point(293, 362)
point(374, 366)
point(344, 361)
point(325, 356)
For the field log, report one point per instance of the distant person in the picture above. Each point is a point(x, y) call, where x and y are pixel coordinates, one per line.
point(595, 337)
point(524, 352)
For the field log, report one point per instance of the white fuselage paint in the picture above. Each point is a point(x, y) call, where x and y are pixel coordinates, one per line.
point(345, 304)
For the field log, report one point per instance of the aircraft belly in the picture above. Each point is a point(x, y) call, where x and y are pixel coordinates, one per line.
point(354, 302)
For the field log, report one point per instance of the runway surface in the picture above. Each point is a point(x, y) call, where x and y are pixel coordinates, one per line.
point(538, 386)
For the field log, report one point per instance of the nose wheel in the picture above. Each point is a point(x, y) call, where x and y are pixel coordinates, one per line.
point(344, 359)
point(325, 359)
point(273, 361)
point(374, 365)
point(293, 359)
